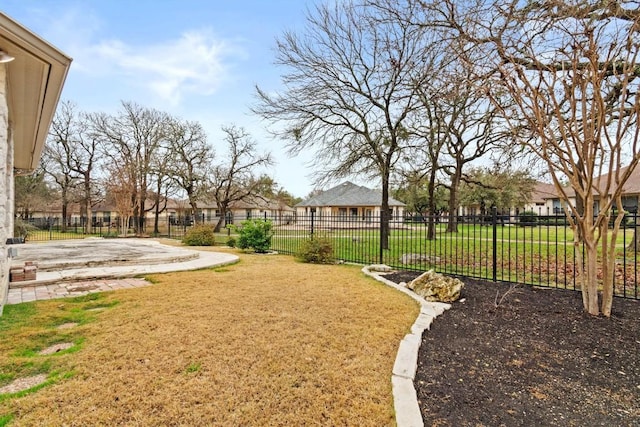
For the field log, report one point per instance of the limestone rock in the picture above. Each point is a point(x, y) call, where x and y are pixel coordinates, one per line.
point(418, 258)
point(380, 268)
point(436, 287)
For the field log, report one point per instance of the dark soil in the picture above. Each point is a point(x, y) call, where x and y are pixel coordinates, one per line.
point(523, 356)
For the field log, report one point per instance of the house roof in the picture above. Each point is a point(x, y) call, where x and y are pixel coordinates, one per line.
point(543, 191)
point(348, 194)
point(257, 202)
point(34, 80)
point(630, 188)
point(249, 202)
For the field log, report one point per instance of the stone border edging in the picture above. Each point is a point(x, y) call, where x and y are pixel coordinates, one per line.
point(405, 400)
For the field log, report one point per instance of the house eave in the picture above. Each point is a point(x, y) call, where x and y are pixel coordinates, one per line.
point(35, 79)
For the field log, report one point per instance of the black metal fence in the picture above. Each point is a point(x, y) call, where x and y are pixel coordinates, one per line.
point(529, 249)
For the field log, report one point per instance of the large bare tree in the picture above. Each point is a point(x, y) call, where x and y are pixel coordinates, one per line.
point(571, 69)
point(349, 81)
point(58, 156)
point(131, 139)
point(236, 176)
point(192, 160)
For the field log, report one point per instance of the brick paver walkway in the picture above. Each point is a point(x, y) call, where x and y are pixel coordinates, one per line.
point(71, 289)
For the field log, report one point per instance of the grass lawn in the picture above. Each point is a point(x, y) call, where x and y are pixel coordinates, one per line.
point(268, 341)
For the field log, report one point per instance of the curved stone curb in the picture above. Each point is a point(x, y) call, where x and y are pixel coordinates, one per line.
point(405, 400)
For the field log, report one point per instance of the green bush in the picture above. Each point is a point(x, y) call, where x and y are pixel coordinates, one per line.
point(318, 250)
point(200, 235)
point(22, 228)
point(231, 242)
point(527, 219)
point(255, 234)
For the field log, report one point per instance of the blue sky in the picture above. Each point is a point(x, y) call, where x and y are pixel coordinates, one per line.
point(196, 59)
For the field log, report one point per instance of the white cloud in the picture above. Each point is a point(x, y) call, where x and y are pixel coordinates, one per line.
point(196, 63)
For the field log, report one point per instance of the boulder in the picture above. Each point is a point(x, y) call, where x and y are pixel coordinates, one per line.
point(418, 258)
point(380, 268)
point(433, 286)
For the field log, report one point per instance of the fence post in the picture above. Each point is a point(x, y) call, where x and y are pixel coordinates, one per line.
point(494, 222)
point(382, 231)
point(312, 217)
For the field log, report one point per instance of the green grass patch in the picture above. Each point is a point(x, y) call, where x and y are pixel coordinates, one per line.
point(193, 367)
point(5, 419)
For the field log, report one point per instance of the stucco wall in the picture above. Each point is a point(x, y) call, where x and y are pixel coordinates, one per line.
point(6, 188)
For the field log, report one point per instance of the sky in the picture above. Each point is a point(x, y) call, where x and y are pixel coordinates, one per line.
point(195, 59)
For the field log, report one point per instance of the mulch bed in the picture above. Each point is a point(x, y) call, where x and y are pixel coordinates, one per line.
point(532, 358)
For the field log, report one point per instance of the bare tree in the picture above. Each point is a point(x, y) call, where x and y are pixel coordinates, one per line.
point(132, 138)
point(571, 69)
point(59, 154)
point(120, 185)
point(162, 183)
point(32, 193)
point(191, 160)
point(473, 126)
point(350, 87)
point(235, 178)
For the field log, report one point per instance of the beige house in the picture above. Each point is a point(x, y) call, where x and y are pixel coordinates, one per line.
point(250, 207)
point(349, 202)
point(544, 200)
point(32, 73)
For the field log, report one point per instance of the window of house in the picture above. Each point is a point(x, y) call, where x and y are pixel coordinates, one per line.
point(342, 212)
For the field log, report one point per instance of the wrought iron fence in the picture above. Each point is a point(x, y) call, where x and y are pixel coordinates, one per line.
point(537, 250)
point(534, 250)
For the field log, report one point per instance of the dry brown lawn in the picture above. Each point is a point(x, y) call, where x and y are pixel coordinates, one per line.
point(268, 341)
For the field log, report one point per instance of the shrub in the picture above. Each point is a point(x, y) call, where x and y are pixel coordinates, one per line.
point(23, 229)
point(528, 218)
point(318, 250)
point(231, 242)
point(255, 234)
point(200, 235)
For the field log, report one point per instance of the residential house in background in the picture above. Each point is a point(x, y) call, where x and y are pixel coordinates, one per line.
point(544, 200)
point(248, 208)
point(349, 202)
point(630, 195)
point(32, 74)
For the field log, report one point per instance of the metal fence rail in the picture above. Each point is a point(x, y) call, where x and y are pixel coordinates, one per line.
point(535, 250)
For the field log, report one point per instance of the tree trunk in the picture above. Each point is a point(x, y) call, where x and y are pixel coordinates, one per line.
point(384, 213)
point(591, 277)
point(431, 220)
point(452, 227)
point(588, 267)
point(156, 219)
point(140, 226)
point(222, 219)
point(65, 210)
point(87, 204)
point(609, 262)
point(194, 210)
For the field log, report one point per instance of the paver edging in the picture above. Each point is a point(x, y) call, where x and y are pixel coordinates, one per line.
point(405, 400)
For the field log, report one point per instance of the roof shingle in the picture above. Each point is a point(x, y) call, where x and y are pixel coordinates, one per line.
point(348, 194)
